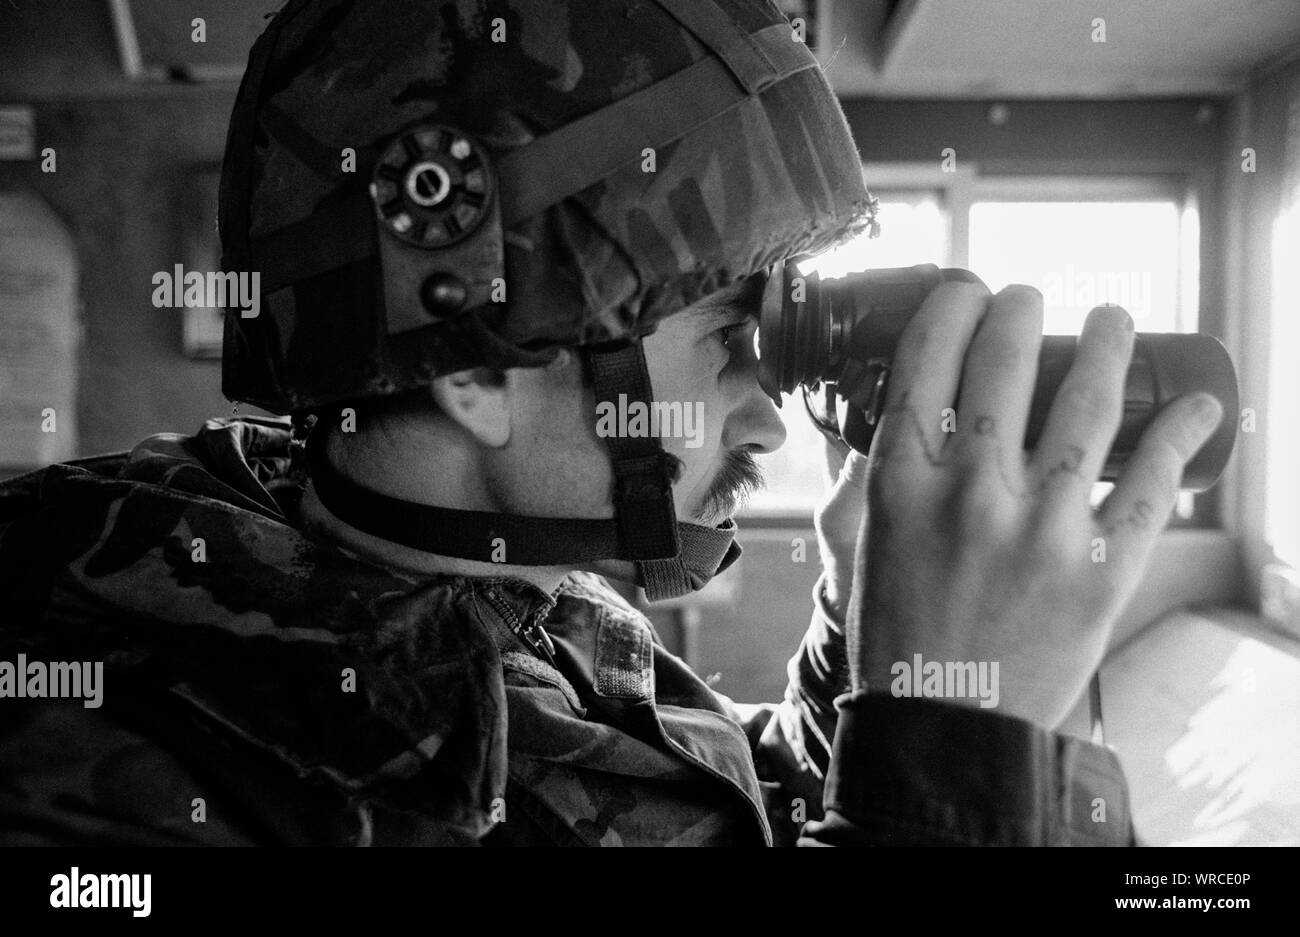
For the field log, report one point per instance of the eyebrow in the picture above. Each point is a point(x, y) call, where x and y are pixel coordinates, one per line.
point(740, 299)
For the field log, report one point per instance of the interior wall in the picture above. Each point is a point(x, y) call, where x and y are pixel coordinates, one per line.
point(120, 186)
point(39, 309)
point(1170, 137)
point(1260, 121)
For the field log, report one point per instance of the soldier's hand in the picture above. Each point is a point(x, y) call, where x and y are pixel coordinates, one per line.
point(980, 552)
point(839, 519)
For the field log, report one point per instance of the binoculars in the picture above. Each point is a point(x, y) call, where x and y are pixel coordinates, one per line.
point(841, 334)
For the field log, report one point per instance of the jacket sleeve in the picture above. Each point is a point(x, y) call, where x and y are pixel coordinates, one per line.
point(869, 769)
point(73, 777)
point(921, 772)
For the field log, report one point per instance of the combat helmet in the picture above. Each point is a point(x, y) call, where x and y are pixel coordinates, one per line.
point(426, 186)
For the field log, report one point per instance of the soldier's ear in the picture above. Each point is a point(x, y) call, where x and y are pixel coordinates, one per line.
point(478, 400)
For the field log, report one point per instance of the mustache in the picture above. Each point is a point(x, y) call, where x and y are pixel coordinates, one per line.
point(738, 477)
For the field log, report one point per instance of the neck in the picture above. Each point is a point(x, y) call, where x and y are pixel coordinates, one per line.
point(396, 473)
point(321, 524)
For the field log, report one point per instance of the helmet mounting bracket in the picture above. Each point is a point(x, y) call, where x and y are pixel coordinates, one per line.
point(435, 194)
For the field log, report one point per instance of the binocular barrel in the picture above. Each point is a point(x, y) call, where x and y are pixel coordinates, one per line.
point(844, 331)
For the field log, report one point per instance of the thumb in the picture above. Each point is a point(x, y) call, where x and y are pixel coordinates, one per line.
point(851, 485)
point(854, 472)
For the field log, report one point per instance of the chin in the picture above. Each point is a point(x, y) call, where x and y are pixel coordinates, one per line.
point(712, 518)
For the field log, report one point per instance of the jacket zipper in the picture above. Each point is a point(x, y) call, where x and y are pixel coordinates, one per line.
point(530, 632)
point(535, 636)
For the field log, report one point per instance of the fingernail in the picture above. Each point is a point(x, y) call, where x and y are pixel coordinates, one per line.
point(1116, 314)
point(1208, 410)
point(1032, 291)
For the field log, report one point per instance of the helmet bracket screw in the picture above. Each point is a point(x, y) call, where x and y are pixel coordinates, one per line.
point(443, 294)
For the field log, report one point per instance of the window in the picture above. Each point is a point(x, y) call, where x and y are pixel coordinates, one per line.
point(1082, 246)
point(913, 230)
point(1282, 507)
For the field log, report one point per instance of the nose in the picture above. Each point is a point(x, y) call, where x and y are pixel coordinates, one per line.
point(754, 424)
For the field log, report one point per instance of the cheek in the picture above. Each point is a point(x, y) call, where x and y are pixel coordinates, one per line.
point(687, 375)
point(556, 464)
point(685, 369)
point(699, 438)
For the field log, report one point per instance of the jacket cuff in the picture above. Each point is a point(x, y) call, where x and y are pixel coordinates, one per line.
point(918, 771)
point(820, 670)
point(819, 674)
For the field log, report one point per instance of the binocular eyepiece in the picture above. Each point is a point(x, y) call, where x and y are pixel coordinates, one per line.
point(842, 333)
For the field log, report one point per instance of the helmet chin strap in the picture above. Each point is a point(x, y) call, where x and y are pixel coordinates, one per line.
point(644, 513)
point(670, 558)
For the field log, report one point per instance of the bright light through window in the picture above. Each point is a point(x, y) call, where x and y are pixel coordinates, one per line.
point(913, 230)
point(1282, 514)
point(1083, 254)
point(1080, 254)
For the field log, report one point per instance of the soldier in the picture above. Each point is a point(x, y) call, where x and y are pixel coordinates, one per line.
point(386, 622)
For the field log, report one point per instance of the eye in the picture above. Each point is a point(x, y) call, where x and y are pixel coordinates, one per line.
point(737, 336)
point(728, 332)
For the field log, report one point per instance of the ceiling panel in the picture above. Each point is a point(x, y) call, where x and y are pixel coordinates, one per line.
point(1046, 48)
point(159, 38)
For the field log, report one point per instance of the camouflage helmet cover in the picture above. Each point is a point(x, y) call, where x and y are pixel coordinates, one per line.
point(727, 153)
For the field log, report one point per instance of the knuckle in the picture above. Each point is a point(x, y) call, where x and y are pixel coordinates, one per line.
point(973, 506)
point(1086, 400)
point(1049, 546)
point(997, 355)
point(1043, 555)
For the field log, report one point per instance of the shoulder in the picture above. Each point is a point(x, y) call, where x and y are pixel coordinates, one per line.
point(75, 776)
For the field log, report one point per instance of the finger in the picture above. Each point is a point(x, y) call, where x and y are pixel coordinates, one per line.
point(926, 369)
point(834, 454)
point(838, 524)
point(851, 483)
point(1144, 495)
point(997, 382)
point(853, 475)
point(849, 494)
point(1089, 404)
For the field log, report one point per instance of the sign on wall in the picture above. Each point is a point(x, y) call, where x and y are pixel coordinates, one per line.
point(17, 132)
point(39, 334)
point(202, 325)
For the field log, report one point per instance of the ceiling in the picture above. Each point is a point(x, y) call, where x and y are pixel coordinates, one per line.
point(901, 48)
point(158, 39)
point(973, 49)
point(1046, 48)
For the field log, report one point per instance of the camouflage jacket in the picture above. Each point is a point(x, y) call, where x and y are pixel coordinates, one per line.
point(261, 687)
